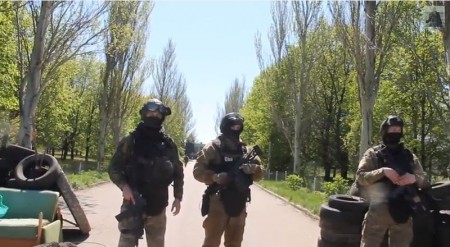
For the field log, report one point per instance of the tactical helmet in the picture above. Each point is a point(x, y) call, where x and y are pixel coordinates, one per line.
point(231, 119)
point(155, 105)
point(391, 120)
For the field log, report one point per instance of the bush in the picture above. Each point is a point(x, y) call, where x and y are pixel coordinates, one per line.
point(294, 181)
point(338, 186)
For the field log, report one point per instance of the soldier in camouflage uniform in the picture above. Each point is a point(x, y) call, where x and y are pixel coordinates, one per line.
point(145, 164)
point(377, 180)
point(227, 207)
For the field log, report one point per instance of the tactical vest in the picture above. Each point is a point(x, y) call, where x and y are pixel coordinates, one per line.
point(381, 161)
point(233, 200)
point(151, 176)
point(399, 197)
point(403, 162)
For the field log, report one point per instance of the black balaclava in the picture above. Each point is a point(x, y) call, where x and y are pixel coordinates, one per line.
point(229, 120)
point(391, 140)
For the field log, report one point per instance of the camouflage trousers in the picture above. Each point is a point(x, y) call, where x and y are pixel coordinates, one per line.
point(377, 221)
point(217, 222)
point(155, 229)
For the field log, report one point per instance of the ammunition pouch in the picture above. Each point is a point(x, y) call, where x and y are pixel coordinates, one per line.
point(163, 171)
point(155, 171)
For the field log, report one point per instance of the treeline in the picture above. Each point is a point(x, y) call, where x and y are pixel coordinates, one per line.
point(335, 71)
point(73, 74)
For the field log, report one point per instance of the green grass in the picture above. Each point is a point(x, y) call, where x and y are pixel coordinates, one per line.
point(308, 199)
point(87, 178)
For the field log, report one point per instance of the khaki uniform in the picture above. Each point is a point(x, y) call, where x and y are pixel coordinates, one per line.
point(154, 225)
point(218, 222)
point(378, 219)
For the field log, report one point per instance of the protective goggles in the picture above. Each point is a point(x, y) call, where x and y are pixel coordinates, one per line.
point(152, 106)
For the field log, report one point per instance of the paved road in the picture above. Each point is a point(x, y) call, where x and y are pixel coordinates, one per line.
point(270, 223)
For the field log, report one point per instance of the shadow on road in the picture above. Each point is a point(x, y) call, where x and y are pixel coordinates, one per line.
point(74, 235)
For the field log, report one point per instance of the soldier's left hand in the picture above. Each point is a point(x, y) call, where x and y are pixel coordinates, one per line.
point(406, 179)
point(248, 168)
point(176, 206)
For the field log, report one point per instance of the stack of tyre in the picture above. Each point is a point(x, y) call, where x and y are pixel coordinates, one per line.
point(23, 168)
point(441, 194)
point(341, 221)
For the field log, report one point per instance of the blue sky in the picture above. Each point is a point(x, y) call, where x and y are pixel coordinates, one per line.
point(214, 45)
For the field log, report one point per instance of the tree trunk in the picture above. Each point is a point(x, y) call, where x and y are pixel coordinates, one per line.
point(367, 84)
point(34, 76)
point(102, 139)
point(117, 128)
point(446, 38)
point(103, 108)
point(297, 129)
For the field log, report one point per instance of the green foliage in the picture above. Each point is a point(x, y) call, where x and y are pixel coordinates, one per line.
point(87, 178)
point(338, 186)
point(294, 181)
point(8, 64)
point(303, 197)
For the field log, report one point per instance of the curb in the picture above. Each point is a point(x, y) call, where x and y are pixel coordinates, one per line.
point(300, 208)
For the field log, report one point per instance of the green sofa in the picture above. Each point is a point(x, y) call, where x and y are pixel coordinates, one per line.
point(30, 219)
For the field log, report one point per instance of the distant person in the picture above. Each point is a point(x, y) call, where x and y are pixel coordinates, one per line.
point(227, 206)
point(434, 19)
point(145, 164)
point(186, 160)
point(386, 173)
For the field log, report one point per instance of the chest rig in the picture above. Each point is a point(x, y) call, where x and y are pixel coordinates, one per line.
point(233, 200)
point(400, 161)
point(150, 164)
point(228, 157)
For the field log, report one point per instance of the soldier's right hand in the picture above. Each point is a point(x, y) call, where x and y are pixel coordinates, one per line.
point(391, 174)
point(127, 194)
point(220, 178)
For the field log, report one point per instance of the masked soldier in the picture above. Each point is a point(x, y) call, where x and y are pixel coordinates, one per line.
point(389, 175)
point(145, 164)
point(225, 204)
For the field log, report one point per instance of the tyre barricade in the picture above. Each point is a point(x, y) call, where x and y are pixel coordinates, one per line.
point(22, 168)
point(341, 221)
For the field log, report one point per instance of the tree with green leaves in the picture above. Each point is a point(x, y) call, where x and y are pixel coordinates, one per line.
point(367, 28)
point(169, 86)
point(125, 69)
point(61, 31)
point(234, 100)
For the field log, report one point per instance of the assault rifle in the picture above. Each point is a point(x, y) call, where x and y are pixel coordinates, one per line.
point(238, 180)
point(135, 213)
point(408, 193)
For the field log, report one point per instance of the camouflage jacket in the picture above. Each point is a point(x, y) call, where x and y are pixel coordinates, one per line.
point(122, 156)
point(211, 155)
point(370, 170)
